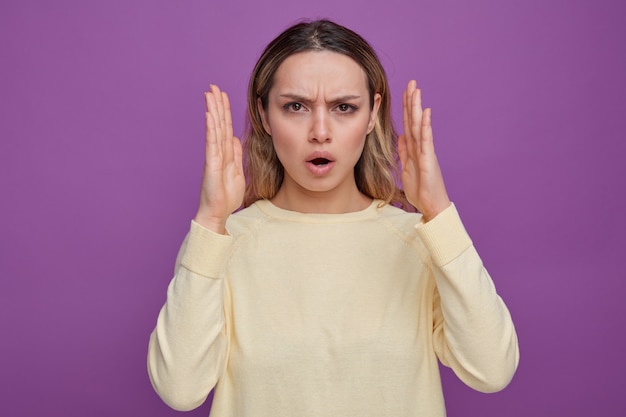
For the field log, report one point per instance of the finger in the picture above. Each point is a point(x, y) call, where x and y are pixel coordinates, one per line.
point(427, 144)
point(211, 150)
point(206, 99)
point(220, 120)
point(219, 105)
point(227, 116)
point(211, 105)
point(228, 129)
point(238, 154)
point(416, 118)
point(216, 128)
point(406, 119)
point(402, 150)
point(405, 113)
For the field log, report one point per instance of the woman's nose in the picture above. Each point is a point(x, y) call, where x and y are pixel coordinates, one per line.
point(320, 128)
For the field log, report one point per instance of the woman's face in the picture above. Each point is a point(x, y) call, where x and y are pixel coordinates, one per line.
point(318, 114)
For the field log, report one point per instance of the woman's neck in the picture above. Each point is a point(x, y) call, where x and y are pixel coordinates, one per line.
point(328, 202)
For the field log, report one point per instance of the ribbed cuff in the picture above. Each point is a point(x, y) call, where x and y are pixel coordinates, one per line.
point(444, 236)
point(206, 253)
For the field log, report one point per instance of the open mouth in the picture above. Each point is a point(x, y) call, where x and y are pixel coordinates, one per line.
point(320, 161)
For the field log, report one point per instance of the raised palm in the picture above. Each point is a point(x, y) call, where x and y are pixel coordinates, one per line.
point(223, 182)
point(421, 175)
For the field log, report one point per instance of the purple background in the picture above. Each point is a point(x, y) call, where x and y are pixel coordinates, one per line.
point(101, 151)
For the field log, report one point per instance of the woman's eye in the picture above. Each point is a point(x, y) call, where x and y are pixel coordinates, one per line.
point(346, 108)
point(293, 107)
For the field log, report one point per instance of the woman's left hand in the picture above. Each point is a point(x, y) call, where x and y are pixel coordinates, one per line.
point(421, 175)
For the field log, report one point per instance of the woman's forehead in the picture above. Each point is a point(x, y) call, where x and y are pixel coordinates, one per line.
point(315, 71)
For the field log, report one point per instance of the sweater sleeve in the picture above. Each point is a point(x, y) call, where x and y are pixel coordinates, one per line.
point(473, 331)
point(188, 348)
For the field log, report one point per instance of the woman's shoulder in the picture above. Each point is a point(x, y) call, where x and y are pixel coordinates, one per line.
point(245, 220)
point(403, 226)
point(398, 216)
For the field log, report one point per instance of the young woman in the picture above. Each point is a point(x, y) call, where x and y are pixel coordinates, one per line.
point(322, 297)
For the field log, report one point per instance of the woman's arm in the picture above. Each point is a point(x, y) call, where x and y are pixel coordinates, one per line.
point(473, 332)
point(188, 348)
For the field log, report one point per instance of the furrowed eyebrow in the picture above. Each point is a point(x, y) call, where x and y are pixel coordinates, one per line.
point(295, 97)
point(299, 98)
point(346, 98)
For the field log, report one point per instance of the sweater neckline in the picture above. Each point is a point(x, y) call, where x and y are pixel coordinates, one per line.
point(271, 210)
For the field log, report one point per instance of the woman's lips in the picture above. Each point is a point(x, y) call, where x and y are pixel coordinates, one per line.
point(319, 170)
point(320, 163)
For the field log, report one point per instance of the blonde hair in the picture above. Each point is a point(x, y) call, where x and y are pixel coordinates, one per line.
point(376, 171)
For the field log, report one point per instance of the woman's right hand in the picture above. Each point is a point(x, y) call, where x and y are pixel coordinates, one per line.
point(223, 182)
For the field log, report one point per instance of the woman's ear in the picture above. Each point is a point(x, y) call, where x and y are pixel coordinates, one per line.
point(374, 113)
point(261, 110)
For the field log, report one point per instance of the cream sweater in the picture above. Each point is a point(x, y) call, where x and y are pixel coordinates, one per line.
point(329, 315)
